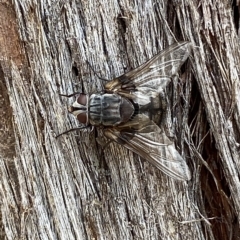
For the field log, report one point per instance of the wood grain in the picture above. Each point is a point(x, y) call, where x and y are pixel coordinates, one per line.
point(66, 188)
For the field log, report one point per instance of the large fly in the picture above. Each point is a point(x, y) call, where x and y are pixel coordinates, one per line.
point(124, 110)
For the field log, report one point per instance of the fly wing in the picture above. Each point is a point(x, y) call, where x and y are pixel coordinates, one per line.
point(151, 77)
point(145, 138)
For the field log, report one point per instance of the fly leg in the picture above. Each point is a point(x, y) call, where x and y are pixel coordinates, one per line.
point(101, 78)
point(72, 129)
point(70, 95)
point(103, 144)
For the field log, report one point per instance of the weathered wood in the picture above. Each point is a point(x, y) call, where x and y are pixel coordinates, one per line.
point(65, 188)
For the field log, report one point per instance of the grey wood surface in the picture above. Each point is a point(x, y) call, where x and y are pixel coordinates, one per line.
point(66, 188)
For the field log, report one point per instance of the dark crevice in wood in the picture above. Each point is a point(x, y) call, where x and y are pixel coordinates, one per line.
point(236, 14)
point(217, 202)
point(7, 138)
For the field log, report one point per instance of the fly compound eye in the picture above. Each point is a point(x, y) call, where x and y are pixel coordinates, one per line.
point(82, 99)
point(82, 118)
point(80, 108)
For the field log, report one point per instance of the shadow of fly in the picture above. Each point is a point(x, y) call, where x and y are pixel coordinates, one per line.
point(124, 110)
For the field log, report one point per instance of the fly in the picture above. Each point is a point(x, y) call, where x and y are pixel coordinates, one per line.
point(125, 108)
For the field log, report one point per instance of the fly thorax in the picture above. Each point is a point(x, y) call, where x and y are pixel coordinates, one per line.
point(109, 109)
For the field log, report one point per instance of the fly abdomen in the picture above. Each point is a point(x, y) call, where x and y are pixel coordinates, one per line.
point(109, 109)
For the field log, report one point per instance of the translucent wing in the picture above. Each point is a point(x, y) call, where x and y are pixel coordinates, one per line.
point(145, 138)
point(151, 77)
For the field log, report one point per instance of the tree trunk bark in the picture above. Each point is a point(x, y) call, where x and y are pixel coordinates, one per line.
point(68, 188)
